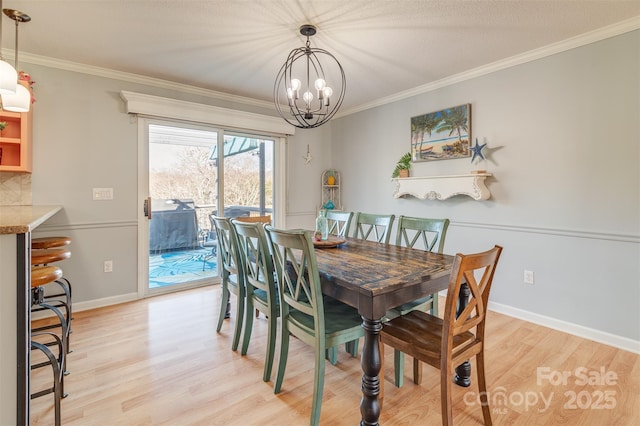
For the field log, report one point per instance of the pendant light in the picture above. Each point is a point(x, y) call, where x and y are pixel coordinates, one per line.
point(20, 101)
point(312, 89)
point(8, 74)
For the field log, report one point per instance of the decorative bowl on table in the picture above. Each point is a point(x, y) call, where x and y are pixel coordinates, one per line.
point(330, 242)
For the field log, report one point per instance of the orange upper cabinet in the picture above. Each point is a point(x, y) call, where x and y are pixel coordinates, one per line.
point(15, 141)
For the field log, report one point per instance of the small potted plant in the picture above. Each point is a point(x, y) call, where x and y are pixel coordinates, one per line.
point(3, 125)
point(402, 167)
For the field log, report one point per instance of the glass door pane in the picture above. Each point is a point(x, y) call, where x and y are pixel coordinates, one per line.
point(248, 176)
point(183, 190)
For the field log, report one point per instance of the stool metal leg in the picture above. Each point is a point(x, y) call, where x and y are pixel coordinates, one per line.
point(57, 379)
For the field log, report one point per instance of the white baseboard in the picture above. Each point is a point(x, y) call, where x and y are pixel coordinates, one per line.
point(91, 304)
point(107, 301)
point(567, 327)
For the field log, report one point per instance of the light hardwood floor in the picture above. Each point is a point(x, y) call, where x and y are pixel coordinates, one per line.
point(159, 361)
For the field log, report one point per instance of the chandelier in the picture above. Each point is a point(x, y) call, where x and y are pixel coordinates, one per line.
point(307, 86)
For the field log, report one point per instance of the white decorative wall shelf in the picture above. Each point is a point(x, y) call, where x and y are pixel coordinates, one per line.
point(443, 187)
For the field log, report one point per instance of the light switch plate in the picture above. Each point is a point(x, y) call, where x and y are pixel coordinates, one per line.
point(101, 194)
point(528, 277)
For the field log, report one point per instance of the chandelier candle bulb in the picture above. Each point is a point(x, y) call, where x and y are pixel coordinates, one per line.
point(295, 86)
point(327, 94)
point(308, 98)
point(320, 85)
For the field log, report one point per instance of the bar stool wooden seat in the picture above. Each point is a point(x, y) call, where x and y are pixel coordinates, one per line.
point(40, 276)
point(50, 255)
point(49, 242)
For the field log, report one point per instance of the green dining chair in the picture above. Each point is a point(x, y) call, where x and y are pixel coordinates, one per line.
point(317, 320)
point(232, 272)
point(376, 226)
point(260, 286)
point(428, 234)
point(339, 222)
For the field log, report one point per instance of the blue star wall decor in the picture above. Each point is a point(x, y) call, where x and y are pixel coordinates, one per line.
point(477, 151)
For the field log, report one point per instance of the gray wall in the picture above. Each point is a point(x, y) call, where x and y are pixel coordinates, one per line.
point(83, 138)
point(563, 133)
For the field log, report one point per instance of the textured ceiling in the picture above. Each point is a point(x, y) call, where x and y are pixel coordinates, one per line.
point(238, 46)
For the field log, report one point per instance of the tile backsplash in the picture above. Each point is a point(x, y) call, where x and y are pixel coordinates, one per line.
point(15, 189)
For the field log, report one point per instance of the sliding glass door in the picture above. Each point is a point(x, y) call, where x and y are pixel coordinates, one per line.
point(195, 172)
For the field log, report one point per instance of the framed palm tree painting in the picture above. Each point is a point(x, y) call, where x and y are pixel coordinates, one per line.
point(441, 135)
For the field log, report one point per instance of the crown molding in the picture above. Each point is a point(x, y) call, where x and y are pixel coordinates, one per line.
point(532, 55)
point(136, 78)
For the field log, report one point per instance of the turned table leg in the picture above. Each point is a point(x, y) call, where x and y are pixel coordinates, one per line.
point(371, 364)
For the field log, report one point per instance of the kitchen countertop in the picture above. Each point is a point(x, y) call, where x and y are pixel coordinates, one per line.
point(22, 219)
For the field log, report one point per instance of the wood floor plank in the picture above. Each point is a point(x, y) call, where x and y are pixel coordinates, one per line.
point(159, 361)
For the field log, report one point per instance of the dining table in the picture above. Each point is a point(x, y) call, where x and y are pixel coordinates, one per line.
point(374, 277)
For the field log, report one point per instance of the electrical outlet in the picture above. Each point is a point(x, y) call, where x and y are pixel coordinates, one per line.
point(108, 265)
point(528, 277)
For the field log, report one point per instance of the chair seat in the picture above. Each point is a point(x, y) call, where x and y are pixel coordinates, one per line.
point(337, 318)
point(410, 306)
point(233, 281)
point(419, 335)
point(262, 295)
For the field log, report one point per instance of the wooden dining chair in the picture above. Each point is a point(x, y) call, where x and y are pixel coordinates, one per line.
point(448, 342)
point(232, 273)
point(317, 320)
point(260, 286)
point(339, 222)
point(427, 234)
point(376, 226)
point(254, 219)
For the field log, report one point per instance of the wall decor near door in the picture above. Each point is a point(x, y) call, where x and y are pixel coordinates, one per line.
point(441, 135)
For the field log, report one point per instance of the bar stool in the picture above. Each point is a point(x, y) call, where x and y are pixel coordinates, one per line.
point(44, 257)
point(43, 243)
point(40, 276)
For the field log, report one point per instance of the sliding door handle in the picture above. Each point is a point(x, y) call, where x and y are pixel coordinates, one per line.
point(147, 208)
